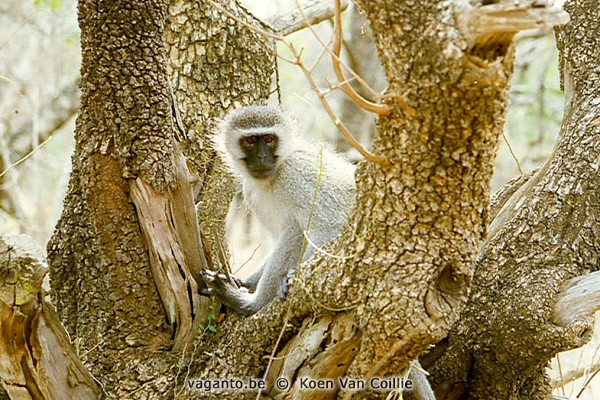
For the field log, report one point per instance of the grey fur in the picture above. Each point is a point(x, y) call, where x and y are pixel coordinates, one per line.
point(284, 202)
point(283, 205)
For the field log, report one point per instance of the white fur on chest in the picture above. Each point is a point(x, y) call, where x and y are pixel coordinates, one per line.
point(267, 208)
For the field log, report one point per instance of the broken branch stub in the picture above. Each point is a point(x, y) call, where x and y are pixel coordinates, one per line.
point(490, 28)
point(579, 298)
point(169, 224)
point(37, 360)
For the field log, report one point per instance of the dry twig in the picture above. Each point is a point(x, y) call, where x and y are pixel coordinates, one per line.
point(356, 98)
point(297, 60)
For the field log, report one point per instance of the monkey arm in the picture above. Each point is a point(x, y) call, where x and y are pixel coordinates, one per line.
point(252, 281)
point(284, 257)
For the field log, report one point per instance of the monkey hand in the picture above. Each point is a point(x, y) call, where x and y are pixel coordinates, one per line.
point(220, 286)
point(250, 286)
point(283, 288)
point(238, 299)
point(237, 281)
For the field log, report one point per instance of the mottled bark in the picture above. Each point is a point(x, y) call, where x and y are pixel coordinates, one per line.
point(126, 139)
point(410, 246)
point(420, 220)
point(544, 234)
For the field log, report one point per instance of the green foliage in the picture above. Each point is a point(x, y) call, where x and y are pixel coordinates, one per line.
point(212, 317)
point(52, 4)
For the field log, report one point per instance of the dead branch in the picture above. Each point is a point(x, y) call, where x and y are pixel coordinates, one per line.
point(38, 360)
point(336, 121)
point(168, 221)
point(326, 47)
point(297, 60)
point(574, 374)
point(55, 113)
point(579, 299)
point(314, 11)
point(360, 101)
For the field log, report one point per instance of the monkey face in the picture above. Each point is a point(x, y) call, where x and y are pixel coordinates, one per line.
point(260, 154)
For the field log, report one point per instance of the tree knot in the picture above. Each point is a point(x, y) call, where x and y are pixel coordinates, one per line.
point(448, 291)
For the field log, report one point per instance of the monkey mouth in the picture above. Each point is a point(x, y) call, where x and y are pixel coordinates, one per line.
point(261, 173)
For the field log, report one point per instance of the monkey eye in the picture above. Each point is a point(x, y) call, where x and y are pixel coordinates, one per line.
point(270, 140)
point(250, 141)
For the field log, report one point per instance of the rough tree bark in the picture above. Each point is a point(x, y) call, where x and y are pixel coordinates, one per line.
point(545, 233)
point(101, 282)
point(129, 300)
point(410, 246)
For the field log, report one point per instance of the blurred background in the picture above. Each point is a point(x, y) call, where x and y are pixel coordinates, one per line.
point(39, 99)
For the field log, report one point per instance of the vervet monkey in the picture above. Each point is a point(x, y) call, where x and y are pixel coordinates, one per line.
point(292, 186)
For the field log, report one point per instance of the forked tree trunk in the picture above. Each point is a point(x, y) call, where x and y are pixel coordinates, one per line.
point(545, 233)
point(125, 252)
point(408, 252)
point(125, 255)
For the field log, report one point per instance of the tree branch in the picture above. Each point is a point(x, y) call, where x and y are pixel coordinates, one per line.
point(360, 101)
point(316, 11)
point(38, 361)
point(55, 114)
point(574, 374)
point(579, 299)
point(19, 144)
point(512, 16)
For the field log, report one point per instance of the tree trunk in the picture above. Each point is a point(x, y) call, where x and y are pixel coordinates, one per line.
point(409, 249)
point(126, 253)
point(127, 295)
point(546, 232)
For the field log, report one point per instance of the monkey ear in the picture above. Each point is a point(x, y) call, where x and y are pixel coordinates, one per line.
point(293, 123)
point(217, 136)
point(219, 140)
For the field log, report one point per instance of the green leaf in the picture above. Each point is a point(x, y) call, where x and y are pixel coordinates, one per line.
point(53, 4)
